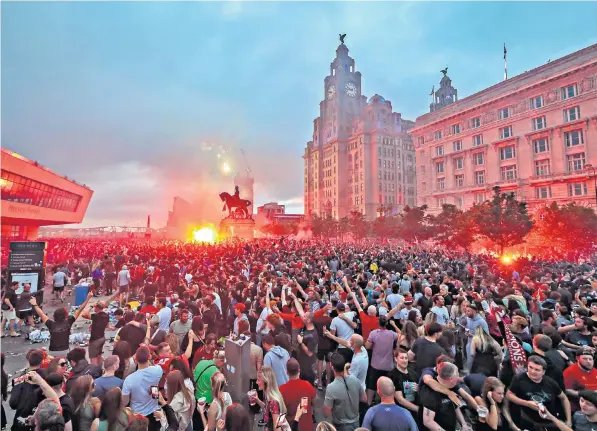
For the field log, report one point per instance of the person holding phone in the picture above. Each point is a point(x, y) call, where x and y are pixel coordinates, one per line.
point(140, 388)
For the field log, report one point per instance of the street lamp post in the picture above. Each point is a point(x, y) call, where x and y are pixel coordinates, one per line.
point(592, 168)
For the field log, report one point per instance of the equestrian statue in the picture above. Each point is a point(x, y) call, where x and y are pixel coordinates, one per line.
point(234, 201)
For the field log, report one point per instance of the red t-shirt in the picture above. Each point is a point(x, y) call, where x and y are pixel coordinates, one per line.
point(368, 324)
point(149, 309)
point(292, 392)
point(577, 379)
point(294, 319)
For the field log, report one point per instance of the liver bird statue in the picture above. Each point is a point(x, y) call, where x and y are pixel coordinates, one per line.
point(444, 71)
point(342, 36)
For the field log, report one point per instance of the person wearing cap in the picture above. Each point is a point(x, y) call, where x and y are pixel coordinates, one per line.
point(408, 307)
point(586, 418)
point(99, 322)
point(239, 313)
point(579, 376)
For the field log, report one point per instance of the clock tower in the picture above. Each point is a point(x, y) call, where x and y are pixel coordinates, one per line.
point(342, 93)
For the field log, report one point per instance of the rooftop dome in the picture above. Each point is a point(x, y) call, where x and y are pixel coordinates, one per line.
point(377, 99)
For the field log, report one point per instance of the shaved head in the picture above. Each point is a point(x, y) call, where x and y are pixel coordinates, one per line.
point(357, 340)
point(385, 387)
point(372, 310)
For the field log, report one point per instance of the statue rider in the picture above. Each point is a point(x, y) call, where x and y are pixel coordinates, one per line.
point(236, 193)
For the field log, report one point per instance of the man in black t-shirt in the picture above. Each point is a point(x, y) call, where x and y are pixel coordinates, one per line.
point(99, 322)
point(531, 389)
point(307, 347)
point(405, 382)
point(437, 409)
point(134, 332)
point(425, 350)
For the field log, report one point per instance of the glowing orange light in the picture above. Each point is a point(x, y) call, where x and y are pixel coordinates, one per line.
point(506, 260)
point(3, 182)
point(205, 234)
point(226, 168)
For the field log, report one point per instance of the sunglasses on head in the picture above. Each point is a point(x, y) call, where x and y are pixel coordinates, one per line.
point(62, 364)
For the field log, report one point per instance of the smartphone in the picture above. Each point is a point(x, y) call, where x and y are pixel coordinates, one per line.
point(281, 420)
point(154, 392)
point(304, 404)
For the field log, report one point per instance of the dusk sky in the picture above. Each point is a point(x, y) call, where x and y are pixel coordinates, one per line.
point(136, 99)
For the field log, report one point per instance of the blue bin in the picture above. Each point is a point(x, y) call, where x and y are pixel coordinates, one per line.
point(81, 292)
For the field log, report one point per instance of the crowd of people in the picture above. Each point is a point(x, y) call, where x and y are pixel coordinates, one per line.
point(344, 336)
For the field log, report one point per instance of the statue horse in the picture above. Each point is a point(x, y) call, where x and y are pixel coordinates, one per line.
point(241, 206)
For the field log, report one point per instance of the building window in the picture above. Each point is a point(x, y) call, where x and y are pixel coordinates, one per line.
point(384, 164)
point(20, 189)
point(457, 145)
point(542, 167)
point(479, 198)
point(421, 140)
point(441, 202)
point(536, 102)
point(576, 162)
point(480, 177)
point(439, 151)
point(503, 113)
point(540, 145)
point(572, 114)
point(455, 129)
point(577, 189)
point(543, 192)
point(458, 201)
point(441, 183)
point(569, 91)
point(379, 163)
point(438, 134)
point(477, 140)
point(459, 180)
point(573, 138)
point(478, 159)
point(508, 173)
point(439, 167)
point(507, 153)
point(459, 163)
point(475, 122)
point(539, 123)
point(505, 132)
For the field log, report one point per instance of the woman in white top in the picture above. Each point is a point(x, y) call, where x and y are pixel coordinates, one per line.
point(180, 399)
point(221, 401)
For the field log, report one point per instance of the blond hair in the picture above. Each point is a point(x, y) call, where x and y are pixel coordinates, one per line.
point(272, 392)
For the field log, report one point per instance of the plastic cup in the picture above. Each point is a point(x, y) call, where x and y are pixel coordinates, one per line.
point(201, 401)
point(252, 394)
point(482, 411)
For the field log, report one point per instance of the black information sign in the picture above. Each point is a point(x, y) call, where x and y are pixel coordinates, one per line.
point(26, 256)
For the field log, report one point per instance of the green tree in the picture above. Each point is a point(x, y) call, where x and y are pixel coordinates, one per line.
point(503, 220)
point(561, 231)
point(358, 225)
point(414, 224)
point(453, 227)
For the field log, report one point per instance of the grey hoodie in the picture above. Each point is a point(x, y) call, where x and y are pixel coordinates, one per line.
point(276, 358)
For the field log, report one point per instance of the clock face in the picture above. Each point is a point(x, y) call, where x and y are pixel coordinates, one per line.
point(331, 92)
point(351, 89)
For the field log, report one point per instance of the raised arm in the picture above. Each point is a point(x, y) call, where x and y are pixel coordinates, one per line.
point(82, 307)
point(38, 310)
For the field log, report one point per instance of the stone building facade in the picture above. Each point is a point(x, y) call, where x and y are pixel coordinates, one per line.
point(361, 157)
point(534, 135)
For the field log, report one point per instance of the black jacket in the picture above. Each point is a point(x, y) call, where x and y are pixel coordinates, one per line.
point(81, 369)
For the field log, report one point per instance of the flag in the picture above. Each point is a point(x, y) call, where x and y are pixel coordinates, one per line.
point(505, 51)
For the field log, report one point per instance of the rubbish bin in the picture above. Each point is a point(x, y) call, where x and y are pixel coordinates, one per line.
point(81, 292)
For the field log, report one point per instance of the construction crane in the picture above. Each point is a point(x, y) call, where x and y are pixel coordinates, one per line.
point(246, 162)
